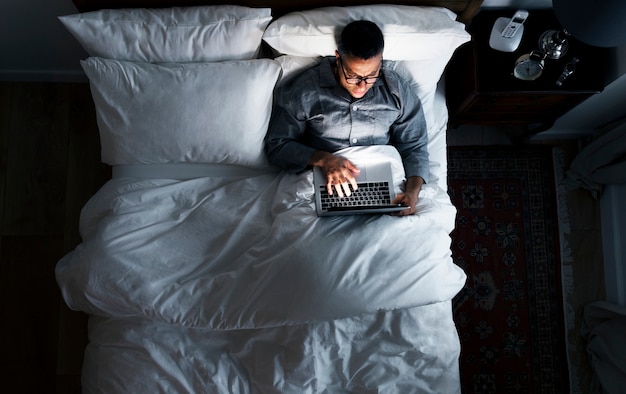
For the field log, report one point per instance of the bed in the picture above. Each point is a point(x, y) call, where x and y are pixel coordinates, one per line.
point(203, 268)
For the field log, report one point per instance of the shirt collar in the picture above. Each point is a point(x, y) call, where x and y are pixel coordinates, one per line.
point(327, 76)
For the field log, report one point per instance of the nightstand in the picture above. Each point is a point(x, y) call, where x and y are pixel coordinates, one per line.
point(481, 88)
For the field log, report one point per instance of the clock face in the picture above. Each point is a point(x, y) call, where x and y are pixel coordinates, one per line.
point(528, 69)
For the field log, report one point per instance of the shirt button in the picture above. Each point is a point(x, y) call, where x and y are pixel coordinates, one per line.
point(355, 108)
point(354, 140)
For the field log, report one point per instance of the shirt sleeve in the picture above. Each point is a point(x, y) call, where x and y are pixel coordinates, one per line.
point(285, 130)
point(409, 133)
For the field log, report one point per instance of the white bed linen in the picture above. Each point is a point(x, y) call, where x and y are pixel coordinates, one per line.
point(250, 252)
point(210, 285)
point(408, 351)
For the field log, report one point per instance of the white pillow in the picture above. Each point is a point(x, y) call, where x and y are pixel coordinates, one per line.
point(193, 112)
point(180, 34)
point(411, 32)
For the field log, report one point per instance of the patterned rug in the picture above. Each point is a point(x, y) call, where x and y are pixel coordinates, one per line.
point(510, 313)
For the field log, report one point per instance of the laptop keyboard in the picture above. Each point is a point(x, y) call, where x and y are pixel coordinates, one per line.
point(367, 194)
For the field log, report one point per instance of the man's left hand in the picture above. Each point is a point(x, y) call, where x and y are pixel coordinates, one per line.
point(410, 196)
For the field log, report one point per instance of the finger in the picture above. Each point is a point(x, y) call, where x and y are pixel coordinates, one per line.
point(346, 189)
point(399, 199)
point(339, 191)
point(329, 188)
point(350, 166)
point(405, 212)
point(409, 211)
point(353, 183)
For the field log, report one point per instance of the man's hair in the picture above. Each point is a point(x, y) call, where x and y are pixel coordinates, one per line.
point(361, 39)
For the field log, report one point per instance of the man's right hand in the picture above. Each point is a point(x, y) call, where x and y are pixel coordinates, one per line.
point(340, 172)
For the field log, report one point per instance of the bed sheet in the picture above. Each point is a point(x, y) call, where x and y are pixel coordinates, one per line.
point(408, 351)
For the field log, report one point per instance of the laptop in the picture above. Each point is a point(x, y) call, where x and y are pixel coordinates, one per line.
point(374, 193)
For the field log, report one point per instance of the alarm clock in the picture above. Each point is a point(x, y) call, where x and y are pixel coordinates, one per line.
point(529, 67)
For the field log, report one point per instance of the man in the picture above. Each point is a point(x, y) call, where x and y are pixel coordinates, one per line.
point(346, 101)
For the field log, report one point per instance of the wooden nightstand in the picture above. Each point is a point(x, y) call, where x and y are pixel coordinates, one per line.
point(481, 88)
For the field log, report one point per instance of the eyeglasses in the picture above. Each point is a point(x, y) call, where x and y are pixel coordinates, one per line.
point(357, 80)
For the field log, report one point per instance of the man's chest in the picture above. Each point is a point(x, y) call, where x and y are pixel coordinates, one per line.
point(336, 117)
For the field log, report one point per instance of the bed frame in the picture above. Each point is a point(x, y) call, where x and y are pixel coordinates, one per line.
point(465, 9)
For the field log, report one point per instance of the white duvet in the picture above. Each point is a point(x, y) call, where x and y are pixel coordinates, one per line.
point(239, 284)
point(250, 252)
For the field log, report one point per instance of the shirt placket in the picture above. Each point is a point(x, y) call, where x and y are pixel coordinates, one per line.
point(359, 130)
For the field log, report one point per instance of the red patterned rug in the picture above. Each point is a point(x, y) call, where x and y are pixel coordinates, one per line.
point(510, 313)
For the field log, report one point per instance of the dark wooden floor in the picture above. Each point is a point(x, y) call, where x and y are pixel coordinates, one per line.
point(49, 167)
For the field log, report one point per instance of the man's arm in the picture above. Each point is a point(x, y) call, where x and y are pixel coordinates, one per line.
point(409, 133)
point(281, 142)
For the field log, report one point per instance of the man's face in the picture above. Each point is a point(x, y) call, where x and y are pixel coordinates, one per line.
point(358, 69)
